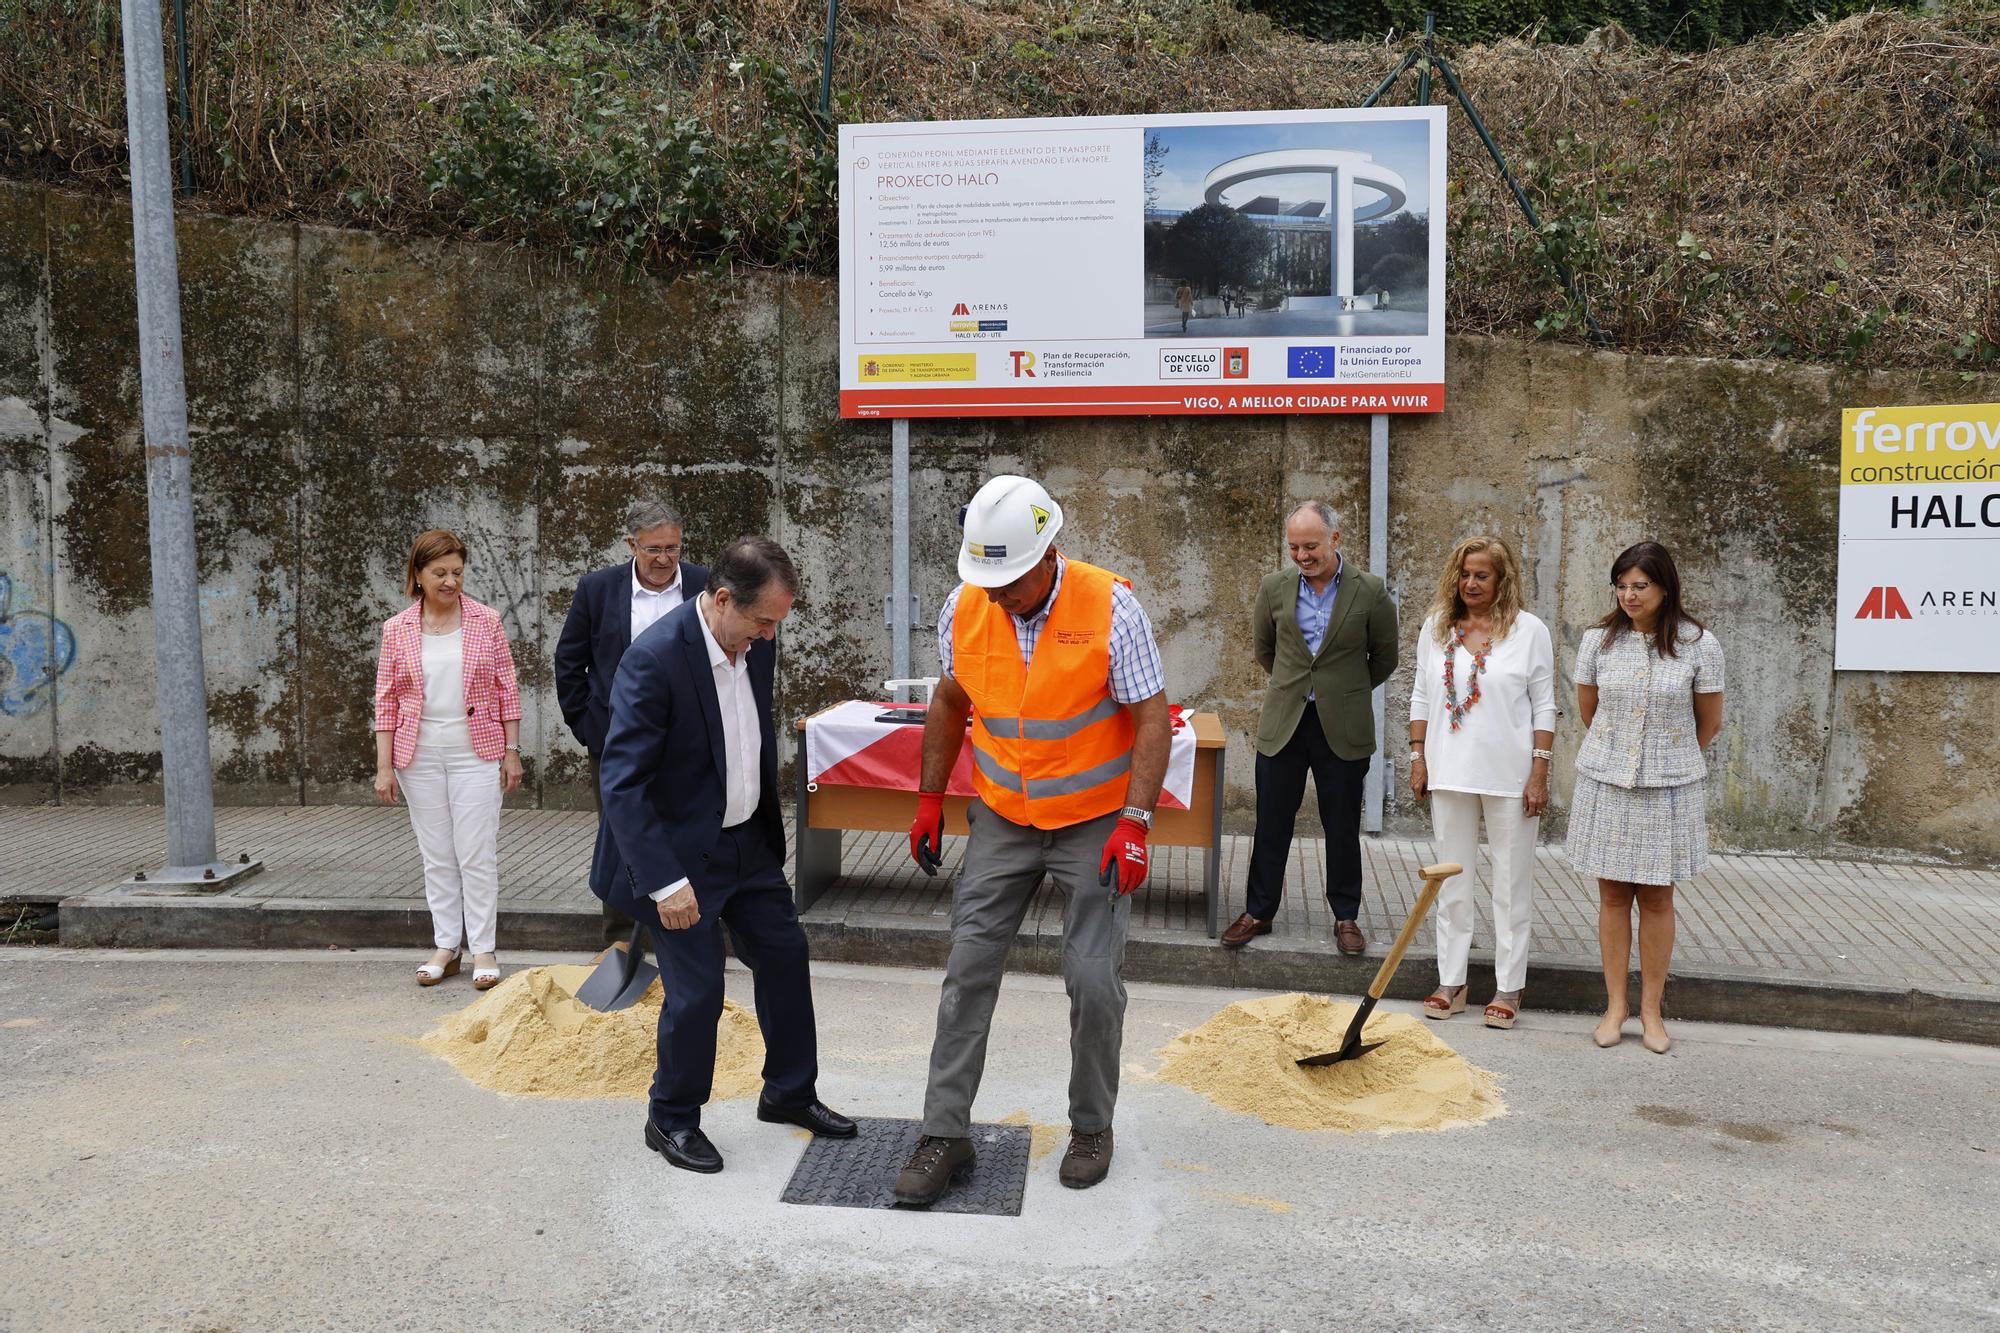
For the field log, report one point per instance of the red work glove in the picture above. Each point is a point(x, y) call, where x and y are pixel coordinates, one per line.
point(1124, 856)
point(927, 834)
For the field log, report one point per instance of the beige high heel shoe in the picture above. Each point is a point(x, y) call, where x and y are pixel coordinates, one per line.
point(1505, 1008)
point(1444, 1002)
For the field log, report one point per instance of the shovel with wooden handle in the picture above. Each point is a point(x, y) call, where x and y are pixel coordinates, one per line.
point(1351, 1047)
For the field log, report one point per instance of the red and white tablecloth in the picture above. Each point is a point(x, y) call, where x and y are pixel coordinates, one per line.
point(847, 747)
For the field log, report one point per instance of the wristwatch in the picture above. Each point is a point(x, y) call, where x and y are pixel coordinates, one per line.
point(1143, 818)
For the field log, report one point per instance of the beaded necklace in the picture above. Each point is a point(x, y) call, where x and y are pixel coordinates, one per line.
point(1452, 706)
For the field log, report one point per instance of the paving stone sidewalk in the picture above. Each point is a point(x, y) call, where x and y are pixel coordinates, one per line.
point(1842, 927)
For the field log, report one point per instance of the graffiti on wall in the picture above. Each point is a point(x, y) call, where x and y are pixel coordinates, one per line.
point(35, 649)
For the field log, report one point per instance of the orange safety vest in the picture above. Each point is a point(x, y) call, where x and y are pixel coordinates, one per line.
point(1051, 747)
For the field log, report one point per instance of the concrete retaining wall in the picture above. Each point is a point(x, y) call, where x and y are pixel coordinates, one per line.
point(348, 390)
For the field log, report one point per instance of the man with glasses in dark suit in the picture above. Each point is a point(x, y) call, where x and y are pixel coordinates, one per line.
point(611, 609)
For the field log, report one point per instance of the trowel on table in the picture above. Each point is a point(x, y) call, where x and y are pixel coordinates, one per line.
point(621, 976)
point(1351, 1046)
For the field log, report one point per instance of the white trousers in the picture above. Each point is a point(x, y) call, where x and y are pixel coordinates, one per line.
point(454, 800)
point(1510, 843)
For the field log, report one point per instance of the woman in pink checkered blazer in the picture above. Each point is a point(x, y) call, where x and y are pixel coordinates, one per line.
point(447, 731)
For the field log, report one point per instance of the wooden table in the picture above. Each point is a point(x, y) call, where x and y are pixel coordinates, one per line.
point(826, 810)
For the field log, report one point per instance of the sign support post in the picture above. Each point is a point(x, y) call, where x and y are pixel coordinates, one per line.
point(1375, 786)
point(900, 611)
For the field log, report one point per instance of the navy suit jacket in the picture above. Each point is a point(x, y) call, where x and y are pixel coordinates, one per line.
point(594, 638)
point(661, 773)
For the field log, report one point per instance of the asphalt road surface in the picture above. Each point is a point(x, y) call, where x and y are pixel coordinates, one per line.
point(250, 1141)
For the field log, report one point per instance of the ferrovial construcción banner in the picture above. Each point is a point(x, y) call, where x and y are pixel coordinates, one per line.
point(1284, 261)
point(1919, 582)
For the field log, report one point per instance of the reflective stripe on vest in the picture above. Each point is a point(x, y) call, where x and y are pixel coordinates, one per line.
point(1054, 729)
point(1050, 743)
point(1040, 789)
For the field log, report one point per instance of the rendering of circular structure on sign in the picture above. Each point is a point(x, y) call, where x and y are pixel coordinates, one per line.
point(1359, 168)
point(1344, 170)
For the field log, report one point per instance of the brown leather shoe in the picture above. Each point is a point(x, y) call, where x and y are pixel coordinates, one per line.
point(1348, 937)
point(1242, 930)
point(933, 1166)
point(1088, 1159)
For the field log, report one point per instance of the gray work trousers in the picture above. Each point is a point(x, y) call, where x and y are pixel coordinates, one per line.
point(996, 881)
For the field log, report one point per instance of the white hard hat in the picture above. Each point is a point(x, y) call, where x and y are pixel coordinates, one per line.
point(1008, 526)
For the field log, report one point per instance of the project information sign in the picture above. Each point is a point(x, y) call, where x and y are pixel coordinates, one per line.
point(1245, 262)
point(1919, 582)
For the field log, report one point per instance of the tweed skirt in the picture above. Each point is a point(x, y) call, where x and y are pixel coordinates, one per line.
point(1639, 835)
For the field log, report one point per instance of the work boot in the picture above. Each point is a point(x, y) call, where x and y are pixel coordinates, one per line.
point(933, 1166)
point(1088, 1159)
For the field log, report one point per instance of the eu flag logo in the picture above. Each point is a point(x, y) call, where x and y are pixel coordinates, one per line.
point(1309, 363)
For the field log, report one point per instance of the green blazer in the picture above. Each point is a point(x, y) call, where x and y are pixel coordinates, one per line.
point(1357, 654)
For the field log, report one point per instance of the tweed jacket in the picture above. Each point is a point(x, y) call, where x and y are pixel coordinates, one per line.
point(1643, 733)
point(1357, 653)
point(492, 695)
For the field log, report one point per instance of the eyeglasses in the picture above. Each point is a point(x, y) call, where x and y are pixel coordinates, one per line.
point(659, 552)
point(1635, 589)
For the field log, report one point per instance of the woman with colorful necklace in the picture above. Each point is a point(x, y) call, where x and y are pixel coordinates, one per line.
point(1482, 721)
point(1649, 692)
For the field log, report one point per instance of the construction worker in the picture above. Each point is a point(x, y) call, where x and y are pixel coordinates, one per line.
point(1055, 663)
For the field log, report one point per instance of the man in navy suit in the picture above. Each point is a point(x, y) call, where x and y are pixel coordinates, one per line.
point(611, 609)
point(690, 787)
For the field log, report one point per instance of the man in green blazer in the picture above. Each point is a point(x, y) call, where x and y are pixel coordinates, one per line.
point(1326, 633)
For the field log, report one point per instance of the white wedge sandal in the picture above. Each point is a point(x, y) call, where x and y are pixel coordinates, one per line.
point(430, 974)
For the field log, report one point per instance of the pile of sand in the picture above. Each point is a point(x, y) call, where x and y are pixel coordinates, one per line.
point(528, 1035)
point(1245, 1059)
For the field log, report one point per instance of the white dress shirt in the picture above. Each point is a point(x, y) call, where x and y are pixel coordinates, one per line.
point(648, 606)
point(742, 740)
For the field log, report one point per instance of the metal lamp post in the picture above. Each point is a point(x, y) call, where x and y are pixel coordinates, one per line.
point(184, 756)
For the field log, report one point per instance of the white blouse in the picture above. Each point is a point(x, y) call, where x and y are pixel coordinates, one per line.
point(1492, 750)
point(444, 691)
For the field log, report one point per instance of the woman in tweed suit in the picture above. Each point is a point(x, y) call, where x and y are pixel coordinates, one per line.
point(447, 724)
point(1649, 690)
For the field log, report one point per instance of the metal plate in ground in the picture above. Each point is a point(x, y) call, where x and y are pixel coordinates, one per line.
point(861, 1172)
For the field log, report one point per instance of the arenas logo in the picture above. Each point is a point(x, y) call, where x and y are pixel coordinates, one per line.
point(1883, 604)
point(1888, 603)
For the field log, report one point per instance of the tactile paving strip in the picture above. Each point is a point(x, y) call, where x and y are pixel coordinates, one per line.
point(861, 1172)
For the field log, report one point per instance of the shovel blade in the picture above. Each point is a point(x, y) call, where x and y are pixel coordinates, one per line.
point(621, 977)
point(1351, 1051)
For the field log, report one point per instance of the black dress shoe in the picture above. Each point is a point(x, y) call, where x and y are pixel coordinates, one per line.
point(818, 1117)
point(688, 1149)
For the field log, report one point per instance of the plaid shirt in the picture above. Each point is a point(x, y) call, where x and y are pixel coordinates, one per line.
point(1136, 670)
